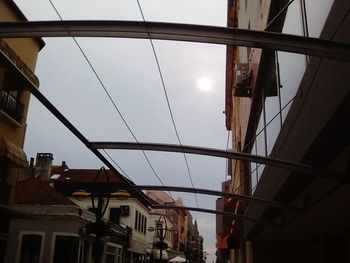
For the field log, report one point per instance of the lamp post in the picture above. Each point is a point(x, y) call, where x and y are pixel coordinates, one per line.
point(161, 233)
point(187, 246)
point(205, 254)
point(99, 227)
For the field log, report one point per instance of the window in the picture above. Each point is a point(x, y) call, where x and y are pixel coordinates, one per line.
point(66, 249)
point(3, 245)
point(145, 226)
point(136, 220)
point(140, 222)
point(30, 248)
point(113, 254)
point(5, 188)
point(139, 225)
point(10, 93)
point(85, 251)
point(114, 215)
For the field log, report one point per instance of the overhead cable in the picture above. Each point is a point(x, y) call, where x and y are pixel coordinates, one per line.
point(168, 102)
point(110, 98)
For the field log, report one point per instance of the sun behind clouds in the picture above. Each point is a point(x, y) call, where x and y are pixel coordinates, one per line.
point(205, 84)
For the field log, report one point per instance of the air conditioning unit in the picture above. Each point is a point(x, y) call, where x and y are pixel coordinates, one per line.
point(124, 210)
point(243, 77)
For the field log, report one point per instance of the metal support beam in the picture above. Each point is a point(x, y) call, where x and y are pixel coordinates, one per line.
point(178, 32)
point(216, 193)
point(305, 169)
point(210, 211)
point(33, 89)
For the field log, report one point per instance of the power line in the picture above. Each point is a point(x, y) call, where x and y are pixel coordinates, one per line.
point(227, 143)
point(262, 130)
point(168, 102)
point(113, 161)
point(284, 9)
point(110, 98)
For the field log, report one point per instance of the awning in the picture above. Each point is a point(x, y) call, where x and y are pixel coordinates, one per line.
point(177, 259)
point(14, 154)
point(137, 246)
point(156, 254)
point(222, 241)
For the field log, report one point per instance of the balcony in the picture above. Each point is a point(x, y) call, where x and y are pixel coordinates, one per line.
point(11, 105)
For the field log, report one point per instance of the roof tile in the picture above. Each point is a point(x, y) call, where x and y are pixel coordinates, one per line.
point(34, 191)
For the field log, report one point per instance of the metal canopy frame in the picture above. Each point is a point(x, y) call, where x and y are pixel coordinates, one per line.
point(210, 211)
point(305, 169)
point(217, 193)
point(178, 32)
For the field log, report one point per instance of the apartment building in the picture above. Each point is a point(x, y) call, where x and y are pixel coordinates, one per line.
point(89, 188)
point(50, 229)
point(293, 108)
point(14, 100)
point(176, 222)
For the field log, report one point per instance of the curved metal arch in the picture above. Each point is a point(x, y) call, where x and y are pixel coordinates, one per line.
point(33, 89)
point(211, 211)
point(306, 169)
point(216, 193)
point(178, 32)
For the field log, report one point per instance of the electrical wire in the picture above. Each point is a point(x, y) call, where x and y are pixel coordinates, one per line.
point(263, 129)
point(284, 9)
point(110, 98)
point(113, 161)
point(168, 102)
point(270, 121)
point(227, 160)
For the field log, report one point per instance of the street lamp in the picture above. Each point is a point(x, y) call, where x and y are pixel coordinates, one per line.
point(187, 246)
point(99, 227)
point(161, 233)
point(205, 254)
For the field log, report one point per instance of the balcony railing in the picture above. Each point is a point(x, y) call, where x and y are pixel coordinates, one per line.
point(11, 105)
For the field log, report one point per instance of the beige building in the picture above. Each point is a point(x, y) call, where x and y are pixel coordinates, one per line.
point(14, 100)
point(50, 228)
point(184, 240)
point(121, 209)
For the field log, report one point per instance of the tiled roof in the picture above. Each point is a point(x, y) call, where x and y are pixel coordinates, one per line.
point(160, 197)
point(58, 173)
point(33, 191)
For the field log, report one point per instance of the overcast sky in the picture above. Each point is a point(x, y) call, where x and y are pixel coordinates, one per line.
point(128, 70)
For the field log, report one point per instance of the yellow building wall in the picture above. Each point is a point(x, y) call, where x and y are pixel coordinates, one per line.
point(27, 50)
point(250, 15)
point(14, 131)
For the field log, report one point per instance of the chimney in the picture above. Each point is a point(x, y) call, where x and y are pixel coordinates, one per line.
point(43, 165)
point(27, 172)
point(31, 165)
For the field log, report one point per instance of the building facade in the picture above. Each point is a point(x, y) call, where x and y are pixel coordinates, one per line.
point(294, 108)
point(176, 222)
point(80, 185)
point(50, 228)
point(14, 100)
